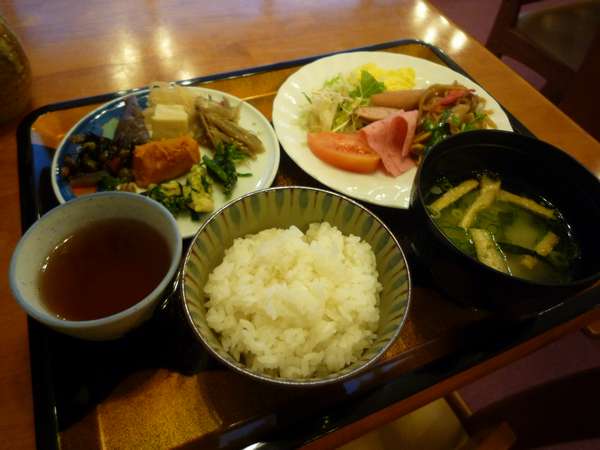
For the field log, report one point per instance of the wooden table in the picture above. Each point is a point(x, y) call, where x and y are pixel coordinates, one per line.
point(85, 48)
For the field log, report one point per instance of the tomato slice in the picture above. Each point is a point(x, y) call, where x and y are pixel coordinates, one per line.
point(348, 151)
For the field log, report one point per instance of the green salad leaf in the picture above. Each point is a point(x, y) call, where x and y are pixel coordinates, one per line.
point(332, 108)
point(367, 87)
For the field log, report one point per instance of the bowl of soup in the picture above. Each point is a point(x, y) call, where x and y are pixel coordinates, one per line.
point(506, 223)
point(97, 266)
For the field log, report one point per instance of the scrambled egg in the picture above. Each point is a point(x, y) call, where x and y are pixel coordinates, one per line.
point(394, 79)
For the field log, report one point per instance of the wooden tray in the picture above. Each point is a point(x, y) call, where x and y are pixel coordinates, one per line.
point(157, 388)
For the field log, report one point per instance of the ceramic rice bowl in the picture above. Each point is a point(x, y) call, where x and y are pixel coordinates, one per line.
point(281, 208)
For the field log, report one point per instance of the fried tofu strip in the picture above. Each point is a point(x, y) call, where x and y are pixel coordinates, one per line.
point(547, 243)
point(526, 203)
point(529, 261)
point(487, 250)
point(487, 195)
point(454, 194)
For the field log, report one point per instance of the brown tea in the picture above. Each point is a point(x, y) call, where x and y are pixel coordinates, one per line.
point(103, 268)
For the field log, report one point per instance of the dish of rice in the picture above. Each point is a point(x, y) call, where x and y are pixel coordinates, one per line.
point(295, 305)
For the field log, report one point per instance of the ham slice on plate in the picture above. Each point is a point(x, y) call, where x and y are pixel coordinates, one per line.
point(391, 139)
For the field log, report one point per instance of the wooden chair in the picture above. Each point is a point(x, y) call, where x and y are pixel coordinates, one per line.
point(562, 44)
point(554, 41)
point(562, 410)
point(558, 411)
point(593, 330)
point(498, 436)
point(435, 426)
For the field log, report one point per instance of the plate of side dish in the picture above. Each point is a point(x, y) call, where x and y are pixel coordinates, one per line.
point(360, 122)
point(192, 149)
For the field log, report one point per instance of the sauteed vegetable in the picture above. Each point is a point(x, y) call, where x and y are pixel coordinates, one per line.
point(445, 110)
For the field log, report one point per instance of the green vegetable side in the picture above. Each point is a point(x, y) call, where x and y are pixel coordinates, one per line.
point(222, 167)
point(194, 195)
point(440, 129)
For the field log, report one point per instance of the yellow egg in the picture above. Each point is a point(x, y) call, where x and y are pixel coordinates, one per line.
point(394, 79)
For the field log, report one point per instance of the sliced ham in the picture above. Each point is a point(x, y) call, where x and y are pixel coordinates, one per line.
point(391, 139)
point(374, 113)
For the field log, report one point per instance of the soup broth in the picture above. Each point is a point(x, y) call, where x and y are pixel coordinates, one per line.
point(518, 234)
point(103, 268)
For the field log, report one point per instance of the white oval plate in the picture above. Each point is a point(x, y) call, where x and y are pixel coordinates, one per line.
point(377, 188)
point(263, 168)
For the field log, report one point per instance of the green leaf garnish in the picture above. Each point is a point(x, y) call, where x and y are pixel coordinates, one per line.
point(368, 86)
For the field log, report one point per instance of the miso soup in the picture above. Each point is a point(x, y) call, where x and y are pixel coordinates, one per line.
point(514, 232)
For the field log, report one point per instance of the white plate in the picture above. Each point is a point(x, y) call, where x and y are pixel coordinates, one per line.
point(263, 168)
point(377, 188)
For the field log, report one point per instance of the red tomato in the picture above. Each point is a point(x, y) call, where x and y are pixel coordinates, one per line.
point(348, 151)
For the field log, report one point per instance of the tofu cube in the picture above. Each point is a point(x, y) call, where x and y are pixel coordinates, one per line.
point(169, 121)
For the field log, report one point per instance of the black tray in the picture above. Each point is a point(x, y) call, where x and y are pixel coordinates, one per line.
point(70, 377)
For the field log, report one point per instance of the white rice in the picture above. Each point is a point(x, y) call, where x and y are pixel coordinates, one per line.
point(295, 305)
